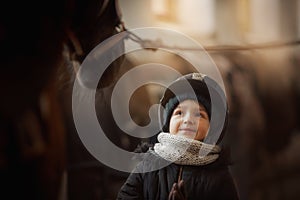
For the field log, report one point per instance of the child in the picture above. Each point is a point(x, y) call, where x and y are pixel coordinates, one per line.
point(198, 167)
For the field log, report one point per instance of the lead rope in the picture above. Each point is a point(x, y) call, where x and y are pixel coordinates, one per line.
point(180, 174)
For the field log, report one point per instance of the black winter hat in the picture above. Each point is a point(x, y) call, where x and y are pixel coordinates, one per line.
point(199, 87)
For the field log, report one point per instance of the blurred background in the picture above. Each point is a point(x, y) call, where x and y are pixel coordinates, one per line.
point(254, 44)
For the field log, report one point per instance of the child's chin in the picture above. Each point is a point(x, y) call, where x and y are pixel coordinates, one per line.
point(188, 135)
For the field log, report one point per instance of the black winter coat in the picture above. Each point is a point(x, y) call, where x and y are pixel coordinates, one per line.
point(209, 182)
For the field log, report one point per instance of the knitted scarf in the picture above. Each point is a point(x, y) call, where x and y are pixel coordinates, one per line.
point(185, 151)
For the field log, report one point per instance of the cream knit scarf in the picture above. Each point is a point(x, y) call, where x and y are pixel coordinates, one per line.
point(185, 151)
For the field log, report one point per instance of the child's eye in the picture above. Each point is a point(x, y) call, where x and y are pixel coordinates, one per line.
point(198, 114)
point(177, 112)
point(202, 114)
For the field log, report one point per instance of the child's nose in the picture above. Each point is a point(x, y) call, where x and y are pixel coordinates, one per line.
point(188, 119)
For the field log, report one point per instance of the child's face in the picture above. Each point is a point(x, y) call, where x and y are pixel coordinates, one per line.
point(189, 119)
